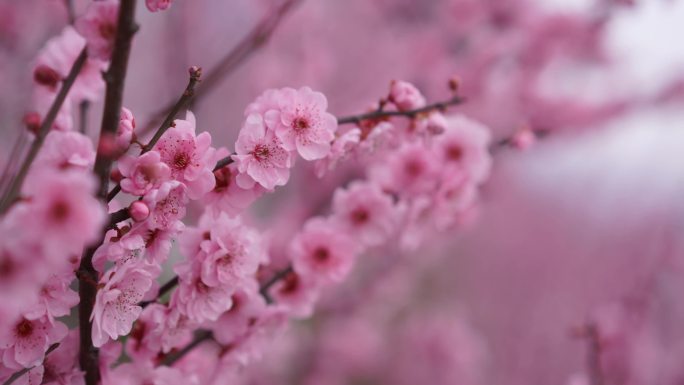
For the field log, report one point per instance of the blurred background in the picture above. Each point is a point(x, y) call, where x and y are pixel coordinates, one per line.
point(572, 269)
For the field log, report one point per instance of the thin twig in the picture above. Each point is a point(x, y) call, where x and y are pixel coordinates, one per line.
point(115, 79)
point(200, 336)
point(20, 373)
point(251, 43)
point(83, 116)
point(263, 290)
point(71, 11)
point(162, 290)
point(381, 114)
point(18, 181)
point(183, 101)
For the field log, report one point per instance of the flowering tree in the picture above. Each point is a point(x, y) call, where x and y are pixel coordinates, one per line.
point(132, 255)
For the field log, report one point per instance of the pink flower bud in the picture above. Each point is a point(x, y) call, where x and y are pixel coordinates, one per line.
point(139, 211)
point(32, 122)
point(405, 96)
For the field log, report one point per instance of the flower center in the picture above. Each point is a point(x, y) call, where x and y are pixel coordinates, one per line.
point(222, 177)
point(261, 152)
point(290, 284)
point(454, 153)
point(24, 328)
point(107, 31)
point(6, 266)
point(46, 76)
point(60, 211)
point(321, 254)
point(225, 260)
point(413, 168)
point(360, 215)
point(181, 161)
point(300, 123)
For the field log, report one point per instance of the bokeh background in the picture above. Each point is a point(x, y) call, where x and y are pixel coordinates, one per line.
point(572, 269)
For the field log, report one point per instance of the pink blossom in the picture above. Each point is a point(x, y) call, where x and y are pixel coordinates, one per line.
point(23, 269)
point(125, 133)
point(227, 197)
point(145, 340)
point(302, 123)
point(322, 251)
point(137, 373)
point(98, 27)
point(405, 96)
point(454, 197)
point(64, 211)
point(28, 339)
point(464, 147)
point(188, 156)
point(232, 252)
point(246, 306)
point(119, 250)
point(59, 55)
point(410, 170)
point(168, 203)
point(340, 149)
point(260, 157)
point(296, 293)
point(144, 173)
point(55, 299)
point(116, 304)
point(195, 299)
point(61, 366)
point(157, 5)
point(64, 150)
point(364, 212)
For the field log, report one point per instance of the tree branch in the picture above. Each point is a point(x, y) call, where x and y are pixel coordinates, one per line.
point(381, 114)
point(87, 275)
point(183, 101)
point(200, 336)
point(18, 181)
point(20, 373)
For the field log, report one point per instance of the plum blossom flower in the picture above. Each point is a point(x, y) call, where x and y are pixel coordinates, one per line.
point(64, 211)
point(260, 157)
point(296, 293)
point(64, 149)
point(232, 253)
point(227, 197)
point(55, 299)
point(195, 299)
point(60, 366)
point(125, 133)
point(364, 212)
point(410, 170)
point(188, 156)
point(144, 342)
point(157, 5)
point(59, 55)
point(246, 306)
point(116, 303)
point(144, 173)
point(168, 205)
point(302, 123)
point(341, 147)
point(98, 27)
point(322, 251)
point(28, 339)
point(464, 148)
point(405, 96)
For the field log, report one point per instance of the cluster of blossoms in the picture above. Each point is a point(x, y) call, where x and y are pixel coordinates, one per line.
point(423, 175)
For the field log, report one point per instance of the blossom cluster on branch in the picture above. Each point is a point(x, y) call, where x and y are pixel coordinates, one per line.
point(425, 167)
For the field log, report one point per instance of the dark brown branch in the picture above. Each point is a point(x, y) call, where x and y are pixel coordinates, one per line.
point(183, 101)
point(223, 162)
point(162, 290)
point(251, 43)
point(71, 12)
point(15, 187)
point(263, 290)
point(83, 116)
point(381, 114)
point(200, 336)
point(20, 373)
point(87, 275)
